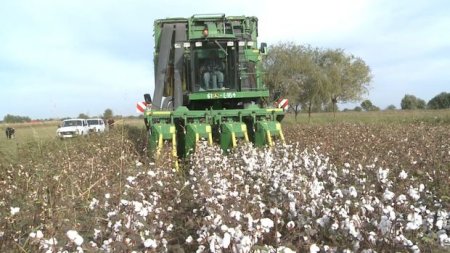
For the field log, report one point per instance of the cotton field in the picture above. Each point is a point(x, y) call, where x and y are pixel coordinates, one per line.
point(309, 195)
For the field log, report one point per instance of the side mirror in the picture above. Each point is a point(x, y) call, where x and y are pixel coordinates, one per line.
point(147, 98)
point(263, 48)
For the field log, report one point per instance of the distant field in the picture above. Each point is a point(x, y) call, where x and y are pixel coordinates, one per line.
point(34, 134)
point(394, 116)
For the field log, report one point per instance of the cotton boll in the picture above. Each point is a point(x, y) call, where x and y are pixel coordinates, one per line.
point(372, 237)
point(352, 191)
point(131, 179)
point(292, 209)
point(385, 225)
point(403, 175)
point(314, 248)
point(389, 210)
point(75, 237)
point(93, 203)
point(218, 221)
point(283, 249)
point(200, 249)
point(413, 193)
point(382, 175)
point(226, 240)
point(388, 195)
point(236, 214)
point(369, 208)
point(150, 243)
point(290, 225)
point(415, 221)
point(276, 211)
point(38, 235)
point(97, 233)
point(421, 187)
point(335, 226)
point(401, 199)
point(14, 210)
point(444, 240)
point(189, 240)
point(267, 224)
point(224, 228)
point(338, 193)
point(415, 249)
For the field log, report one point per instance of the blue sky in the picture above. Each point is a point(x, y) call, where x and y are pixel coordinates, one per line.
point(63, 58)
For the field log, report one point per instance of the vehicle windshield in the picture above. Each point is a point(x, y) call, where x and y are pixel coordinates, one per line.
point(93, 122)
point(68, 123)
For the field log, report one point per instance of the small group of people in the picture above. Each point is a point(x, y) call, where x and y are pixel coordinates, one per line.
point(10, 132)
point(213, 76)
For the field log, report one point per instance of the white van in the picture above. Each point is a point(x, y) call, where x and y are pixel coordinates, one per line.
point(73, 127)
point(96, 125)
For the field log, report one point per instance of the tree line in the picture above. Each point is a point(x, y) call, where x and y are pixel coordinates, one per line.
point(411, 102)
point(22, 119)
point(15, 119)
point(315, 78)
point(440, 101)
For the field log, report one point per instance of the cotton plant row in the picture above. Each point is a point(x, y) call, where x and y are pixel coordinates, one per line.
point(296, 198)
point(265, 200)
point(46, 195)
point(282, 199)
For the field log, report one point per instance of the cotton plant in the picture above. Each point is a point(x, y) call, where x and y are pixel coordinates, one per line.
point(259, 198)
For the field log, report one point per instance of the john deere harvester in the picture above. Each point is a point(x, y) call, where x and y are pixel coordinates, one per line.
point(209, 85)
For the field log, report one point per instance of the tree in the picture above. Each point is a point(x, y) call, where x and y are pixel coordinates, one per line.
point(83, 116)
point(15, 119)
point(293, 71)
point(391, 108)
point(440, 101)
point(367, 105)
point(315, 77)
point(348, 76)
point(108, 114)
point(421, 104)
point(411, 102)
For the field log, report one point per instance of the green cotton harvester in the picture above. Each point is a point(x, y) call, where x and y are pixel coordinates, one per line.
point(209, 85)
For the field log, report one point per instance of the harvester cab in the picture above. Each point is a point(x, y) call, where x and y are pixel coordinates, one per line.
point(209, 84)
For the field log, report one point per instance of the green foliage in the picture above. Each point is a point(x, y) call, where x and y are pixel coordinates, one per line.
point(108, 114)
point(391, 107)
point(348, 77)
point(441, 101)
point(83, 116)
point(15, 119)
point(314, 77)
point(411, 102)
point(367, 105)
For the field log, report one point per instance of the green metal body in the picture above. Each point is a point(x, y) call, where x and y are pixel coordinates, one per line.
point(188, 105)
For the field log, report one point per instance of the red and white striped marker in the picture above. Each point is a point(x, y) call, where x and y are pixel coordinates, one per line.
point(141, 106)
point(283, 103)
